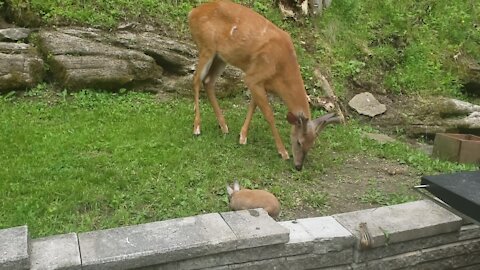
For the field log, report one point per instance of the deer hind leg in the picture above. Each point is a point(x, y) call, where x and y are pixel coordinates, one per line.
point(259, 96)
point(243, 133)
point(205, 60)
point(216, 69)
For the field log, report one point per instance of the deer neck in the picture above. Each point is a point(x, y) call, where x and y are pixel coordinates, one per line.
point(293, 94)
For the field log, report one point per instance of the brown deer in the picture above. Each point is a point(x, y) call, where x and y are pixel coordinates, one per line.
point(225, 32)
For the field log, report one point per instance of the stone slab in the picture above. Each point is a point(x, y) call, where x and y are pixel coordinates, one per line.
point(328, 233)
point(285, 264)
point(469, 232)
point(402, 222)
point(298, 233)
point(240, 256)
point(300, 242)
point(255, 228)
point(14, 253)
point(277, 264)
point(404, 247)
point(56, 252)
point(156, 243)
point(447, 256)
point(312, 261)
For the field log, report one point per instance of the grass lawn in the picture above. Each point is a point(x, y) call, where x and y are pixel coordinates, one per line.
point(91, 160)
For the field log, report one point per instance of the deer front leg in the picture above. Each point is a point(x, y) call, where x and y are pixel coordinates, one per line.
point(243, 133)
point(216, 69)
point(205, 60)
point(259, 96)
point(196, 103)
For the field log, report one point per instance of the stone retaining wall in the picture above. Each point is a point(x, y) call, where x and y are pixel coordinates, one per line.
point(416, 235)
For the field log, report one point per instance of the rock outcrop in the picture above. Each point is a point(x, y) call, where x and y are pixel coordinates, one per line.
point(20, 65)
point(79, 58)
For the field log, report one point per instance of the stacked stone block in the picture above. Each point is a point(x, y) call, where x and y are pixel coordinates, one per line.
point(417, 235)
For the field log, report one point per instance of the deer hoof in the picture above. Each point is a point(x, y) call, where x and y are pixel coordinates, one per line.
point(242, 140)
point(284, 155)
point(224, 129)
point(196, 130)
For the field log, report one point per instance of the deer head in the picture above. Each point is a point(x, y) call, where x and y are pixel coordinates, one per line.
point(304, 132)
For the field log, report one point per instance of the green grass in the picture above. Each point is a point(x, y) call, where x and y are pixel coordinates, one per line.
point(92, 160)
point(405, 47)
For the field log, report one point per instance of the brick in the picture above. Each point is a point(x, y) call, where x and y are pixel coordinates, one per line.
point(402, 222)
point(14, 254)
point(56, 252)
point(156, 243)
point(255, 228)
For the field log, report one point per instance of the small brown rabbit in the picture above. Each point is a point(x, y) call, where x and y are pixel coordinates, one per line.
point(248, 199)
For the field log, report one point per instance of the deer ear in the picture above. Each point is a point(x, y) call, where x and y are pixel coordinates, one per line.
point(229, 191)
point(236, 186)
point(292, 119)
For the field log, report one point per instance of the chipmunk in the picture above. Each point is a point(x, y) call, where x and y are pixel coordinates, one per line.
point(366, 240)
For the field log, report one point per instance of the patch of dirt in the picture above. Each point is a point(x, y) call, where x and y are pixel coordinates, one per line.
point(361, 183)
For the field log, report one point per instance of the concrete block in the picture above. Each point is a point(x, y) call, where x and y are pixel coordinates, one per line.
point(238, 257)
point(404, 247)
point(402, 222)
point(255, 228)
point(329, 234)
point(463, 261)
point(14, 253)
point(470, 267)
point(454, 249)
point(298, 233)
point(469, 232)
point(156, 243)
point(277, 264)
point(467, 252)
point(341, 267)
point(300, 242)
point(56, 252)
point(300, 239)
point(312, 261)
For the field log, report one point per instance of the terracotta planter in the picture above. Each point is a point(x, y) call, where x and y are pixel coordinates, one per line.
point(462, 148)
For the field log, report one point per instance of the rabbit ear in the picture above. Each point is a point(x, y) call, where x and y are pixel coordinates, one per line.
point(236, 186)
point(229, 190)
